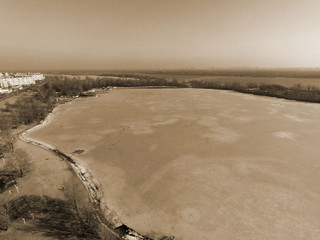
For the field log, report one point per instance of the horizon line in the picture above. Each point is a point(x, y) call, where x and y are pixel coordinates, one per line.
point(164, 69)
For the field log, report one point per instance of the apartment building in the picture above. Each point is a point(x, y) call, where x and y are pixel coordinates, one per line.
point(16, 80)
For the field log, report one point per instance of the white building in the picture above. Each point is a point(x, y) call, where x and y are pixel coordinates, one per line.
point(19, 79)
point(4, 90)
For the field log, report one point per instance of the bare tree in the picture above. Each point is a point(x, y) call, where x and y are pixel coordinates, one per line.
point(4, 216)
point(7, 138)
point(77, 195)
point(18, 160)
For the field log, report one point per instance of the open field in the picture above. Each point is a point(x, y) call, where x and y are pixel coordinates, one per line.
point(199, 164)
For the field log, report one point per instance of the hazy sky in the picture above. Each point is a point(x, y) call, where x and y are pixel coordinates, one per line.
point(137, 34)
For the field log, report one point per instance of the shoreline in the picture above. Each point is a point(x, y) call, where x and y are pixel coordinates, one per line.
point(111, 219)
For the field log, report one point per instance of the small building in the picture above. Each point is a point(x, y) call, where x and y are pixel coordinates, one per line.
point(4, 90)
point(88, 94)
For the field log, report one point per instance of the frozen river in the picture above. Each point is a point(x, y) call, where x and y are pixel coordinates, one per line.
point(199, 164)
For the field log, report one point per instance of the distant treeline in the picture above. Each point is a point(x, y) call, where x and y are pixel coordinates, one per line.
point(42, 98)
point(297, 92)
point(237, 72)
point(70, 87)
point(288, 73)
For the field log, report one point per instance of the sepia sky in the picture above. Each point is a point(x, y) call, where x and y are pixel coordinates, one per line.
point(148, 34)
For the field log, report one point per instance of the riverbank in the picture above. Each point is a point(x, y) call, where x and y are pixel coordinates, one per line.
point(39, 180)
point(108, 218)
